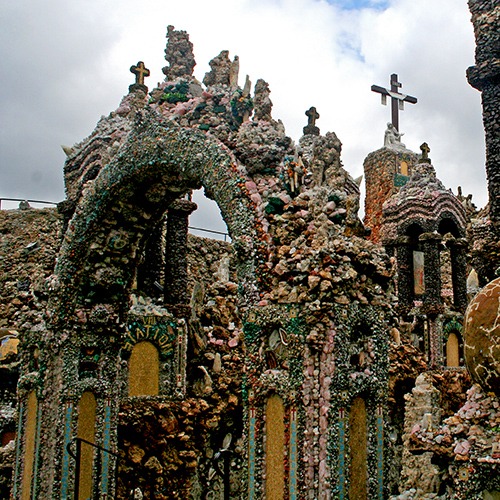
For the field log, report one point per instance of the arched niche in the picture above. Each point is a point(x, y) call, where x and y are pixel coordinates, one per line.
point(118, 210)
point(86, 430)
point(144, 370)
point(455, 256)
point(453, 347)
point(358, 449)
point(453, 350)
point(448, 225)
point(413, 231)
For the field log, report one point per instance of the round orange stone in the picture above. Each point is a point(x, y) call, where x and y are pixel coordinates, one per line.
point(482, 337)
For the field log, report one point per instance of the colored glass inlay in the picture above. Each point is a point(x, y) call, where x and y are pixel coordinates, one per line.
point(251, 454)
point(400, 180)
point(67, 440)
point(380, 452)
point(18, 448)
point(106, 443)
point(37, 447)
point(342, 454)
point(293, 454)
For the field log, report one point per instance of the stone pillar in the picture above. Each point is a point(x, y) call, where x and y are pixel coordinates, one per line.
point(405, 274)
point(458, 255)
point(423, 407)
point(432, 273)
point(176, 275)
point(485, 76)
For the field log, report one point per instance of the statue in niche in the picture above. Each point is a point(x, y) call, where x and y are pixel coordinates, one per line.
point(392, 138)
point(275, 352)
point(295, 174)
point(360, 357)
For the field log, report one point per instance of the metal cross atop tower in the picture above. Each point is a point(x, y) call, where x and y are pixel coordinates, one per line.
point(397, 99)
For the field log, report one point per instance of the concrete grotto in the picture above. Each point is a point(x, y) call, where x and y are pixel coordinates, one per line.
point(332, 352)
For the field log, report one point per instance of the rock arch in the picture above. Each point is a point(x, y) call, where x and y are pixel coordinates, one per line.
point(158, 164)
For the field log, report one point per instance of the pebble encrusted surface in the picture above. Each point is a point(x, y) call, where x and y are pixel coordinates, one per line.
point(296, 241)
point(300, 307)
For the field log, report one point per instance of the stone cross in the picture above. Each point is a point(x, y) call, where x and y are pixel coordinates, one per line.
point(140, 71)
point(425, 151)
point(312, 116)
point(397, 99)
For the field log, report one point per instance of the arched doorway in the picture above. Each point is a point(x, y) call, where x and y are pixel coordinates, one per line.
point(144, 370)
point(452, 351)
point(358, 446)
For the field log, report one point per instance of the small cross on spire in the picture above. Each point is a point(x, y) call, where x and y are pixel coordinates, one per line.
point(397, 99)
point(425, 152)
point(312, 116)
point(140, 71)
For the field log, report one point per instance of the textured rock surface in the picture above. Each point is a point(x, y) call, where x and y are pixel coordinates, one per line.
point(299, 307)
point(482, 337)
point(179, 54)
point(29, 243)
point(422, 410)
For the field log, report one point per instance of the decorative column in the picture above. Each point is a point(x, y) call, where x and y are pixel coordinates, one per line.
point(432, 272)
point(484, 76)
point(458, 255)
point(176, 275)
point(405, 274)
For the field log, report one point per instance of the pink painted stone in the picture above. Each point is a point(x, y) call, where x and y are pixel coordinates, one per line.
point(255, 197)
point(462, 448)
point(322, 469)
point(219, 342)
point(323, 422)
point(233, 342)
point(251, 186)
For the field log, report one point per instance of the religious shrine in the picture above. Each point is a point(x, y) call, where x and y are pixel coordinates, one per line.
point(312, 357)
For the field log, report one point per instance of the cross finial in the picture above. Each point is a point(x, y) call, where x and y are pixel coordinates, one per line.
point(140, 71)
point(425, 152)
point(312, 116)
point(397, 99)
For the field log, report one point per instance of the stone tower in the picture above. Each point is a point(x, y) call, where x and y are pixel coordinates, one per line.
point(485, 76)
point(386, 171)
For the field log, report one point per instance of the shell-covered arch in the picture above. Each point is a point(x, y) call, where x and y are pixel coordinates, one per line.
point(158, 164)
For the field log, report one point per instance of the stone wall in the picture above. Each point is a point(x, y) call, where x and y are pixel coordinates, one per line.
point(29, 243)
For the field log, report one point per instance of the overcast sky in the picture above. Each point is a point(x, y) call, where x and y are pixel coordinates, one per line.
point(66, 62)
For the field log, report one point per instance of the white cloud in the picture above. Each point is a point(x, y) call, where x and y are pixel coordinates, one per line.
point(68, 63)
